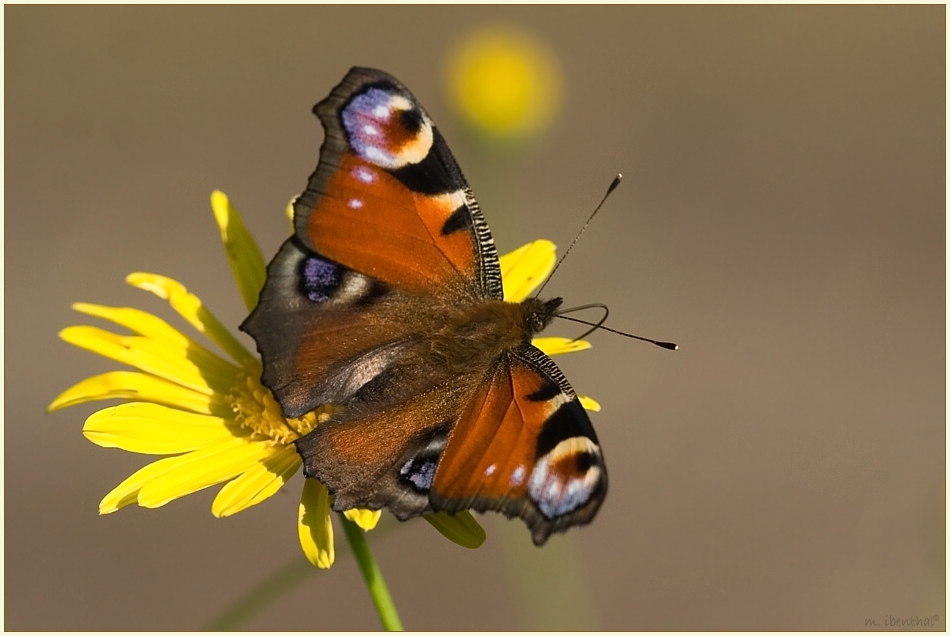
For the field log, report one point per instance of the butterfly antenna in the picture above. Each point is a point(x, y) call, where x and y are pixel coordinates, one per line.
point(672, 346)
point(611, 188)
point(594, 327)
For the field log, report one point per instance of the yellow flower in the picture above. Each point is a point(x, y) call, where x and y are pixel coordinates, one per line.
point(522, 271)
point(212, 417)
point(505, 83)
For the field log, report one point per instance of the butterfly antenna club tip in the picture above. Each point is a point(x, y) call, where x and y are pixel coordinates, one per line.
point(615, 183)
point(613, 186)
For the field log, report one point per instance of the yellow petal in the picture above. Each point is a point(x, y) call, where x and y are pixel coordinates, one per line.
point(258, 483)
point(187, 367)
point(460, 528)
point(192, 310)
point(136, 386)
point(155, 329)
point(290, 213)
point(589, 403)
point(141, 322)
point(127, 492)
point(313, 524)
point(142, 427)
point(556, 345)
point(525, 268)
point(202, 468)
point(244, 255)
point(366, 519)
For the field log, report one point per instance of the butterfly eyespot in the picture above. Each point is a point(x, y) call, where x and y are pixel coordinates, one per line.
point(419, 473)
point(320, 278)
point(584, 461)
point(378, 136)
point(567, 477)
point(412, 120)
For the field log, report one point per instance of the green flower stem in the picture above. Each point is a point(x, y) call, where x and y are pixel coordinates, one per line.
point(374, 578)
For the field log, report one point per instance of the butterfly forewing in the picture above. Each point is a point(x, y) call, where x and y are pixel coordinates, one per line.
point(386, 213)
point(388, 199)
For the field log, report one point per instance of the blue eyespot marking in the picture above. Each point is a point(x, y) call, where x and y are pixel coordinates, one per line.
point(320, 278)
point(419, 472)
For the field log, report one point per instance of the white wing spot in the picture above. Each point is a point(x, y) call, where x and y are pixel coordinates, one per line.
point(517, 476)
point(381, 111)
point(490, 470)
point(354, 287)
point(370, 130)
point(364, 175)
point(356, 204)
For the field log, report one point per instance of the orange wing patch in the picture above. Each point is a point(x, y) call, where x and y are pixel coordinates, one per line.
point(491, 452)
point(524, 446)
point(369, 221)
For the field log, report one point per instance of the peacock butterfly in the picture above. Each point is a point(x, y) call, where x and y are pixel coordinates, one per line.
point(387, 301)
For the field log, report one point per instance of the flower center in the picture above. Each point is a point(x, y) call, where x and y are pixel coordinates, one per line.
point(256, 410)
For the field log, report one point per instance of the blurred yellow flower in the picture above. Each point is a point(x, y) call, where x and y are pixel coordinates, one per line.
point(505, 83)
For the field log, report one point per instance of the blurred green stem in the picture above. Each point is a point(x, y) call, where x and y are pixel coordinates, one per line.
point(262, 595)
point(372, 575)
point(550, 585)
point(497, 191)
point(283, 581)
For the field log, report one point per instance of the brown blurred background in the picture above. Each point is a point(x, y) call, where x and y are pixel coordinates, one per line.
point(782, 218)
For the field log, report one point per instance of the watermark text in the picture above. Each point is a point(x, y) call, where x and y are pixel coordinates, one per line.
point(898, 621)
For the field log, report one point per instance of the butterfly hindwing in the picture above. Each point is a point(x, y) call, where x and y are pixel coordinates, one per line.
point(384, 458)
point(388, 199)
point(523, 445)
point(519, 443)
